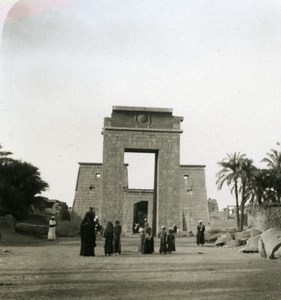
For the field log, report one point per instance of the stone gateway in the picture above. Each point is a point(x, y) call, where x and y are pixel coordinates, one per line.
point(179, 194)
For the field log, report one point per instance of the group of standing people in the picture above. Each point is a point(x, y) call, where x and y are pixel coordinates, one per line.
point(146, 243)
point(112, 235)
point(167, 239)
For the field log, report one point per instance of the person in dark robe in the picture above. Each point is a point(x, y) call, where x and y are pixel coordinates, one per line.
point(88, 236)
point(90, 214)
point(108, 242)
point(175, 232)
point(163, 240)
point(175, 229)
point(117, 238)
point(171, 241)
point(200, 236)
point(148, 246)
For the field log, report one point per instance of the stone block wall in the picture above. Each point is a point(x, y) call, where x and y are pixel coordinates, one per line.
point(131, 197)
point(166, 147)
point(179, 190)
point(192, 193)
point(193, 197)
point(142, 129)
point(220, 219)
point(88, 192)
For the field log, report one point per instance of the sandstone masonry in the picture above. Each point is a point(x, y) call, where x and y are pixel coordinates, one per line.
point(179, 195)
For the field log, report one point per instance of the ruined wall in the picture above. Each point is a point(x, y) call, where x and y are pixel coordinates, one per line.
point(263, 218)
point(193, 197)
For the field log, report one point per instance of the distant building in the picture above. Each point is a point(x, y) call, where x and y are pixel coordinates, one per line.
point(213, 205)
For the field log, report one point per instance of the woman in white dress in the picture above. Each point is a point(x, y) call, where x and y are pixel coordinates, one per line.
point(52, 229)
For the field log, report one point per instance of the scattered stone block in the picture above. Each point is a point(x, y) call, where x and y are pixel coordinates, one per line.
point(223, 239)
point(212, 233)
point(269, 245)
point(232, 243)
point(252, 245)
point(243, 235)
point(255, 232)
point(211, 238)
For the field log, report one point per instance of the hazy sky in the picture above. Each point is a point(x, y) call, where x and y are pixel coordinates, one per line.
point(65, 63)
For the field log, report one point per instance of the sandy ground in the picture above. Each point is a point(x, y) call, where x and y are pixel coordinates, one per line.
point(54, 270)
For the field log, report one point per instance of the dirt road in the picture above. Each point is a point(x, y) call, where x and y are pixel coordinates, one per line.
point(54, 270)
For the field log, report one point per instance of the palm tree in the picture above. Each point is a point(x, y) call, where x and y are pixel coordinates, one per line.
point(247, 175)
point(230, 174)
point(262, 191)
point(258, 187)
point(273, 161)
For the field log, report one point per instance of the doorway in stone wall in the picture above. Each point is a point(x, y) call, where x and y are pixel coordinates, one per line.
point(140, 213)
point(142, 175)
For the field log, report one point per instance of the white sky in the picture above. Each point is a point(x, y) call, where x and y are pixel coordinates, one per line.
point(65, 64)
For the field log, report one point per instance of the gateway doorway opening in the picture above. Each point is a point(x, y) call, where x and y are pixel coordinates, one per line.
point(142, 178)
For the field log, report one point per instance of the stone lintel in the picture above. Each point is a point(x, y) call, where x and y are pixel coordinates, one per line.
point(142, 109)
point(93, 164)
point(89, 164)
point(143, 129)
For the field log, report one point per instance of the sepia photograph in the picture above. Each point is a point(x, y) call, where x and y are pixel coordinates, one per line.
point(140, 149)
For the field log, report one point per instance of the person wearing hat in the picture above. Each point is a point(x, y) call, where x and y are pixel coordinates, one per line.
point(163, 240)
point(52, 229)
point(200, 236)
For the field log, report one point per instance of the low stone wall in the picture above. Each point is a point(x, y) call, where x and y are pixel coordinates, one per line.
point(38, 230)
point(220, 219)
point(263, 218)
